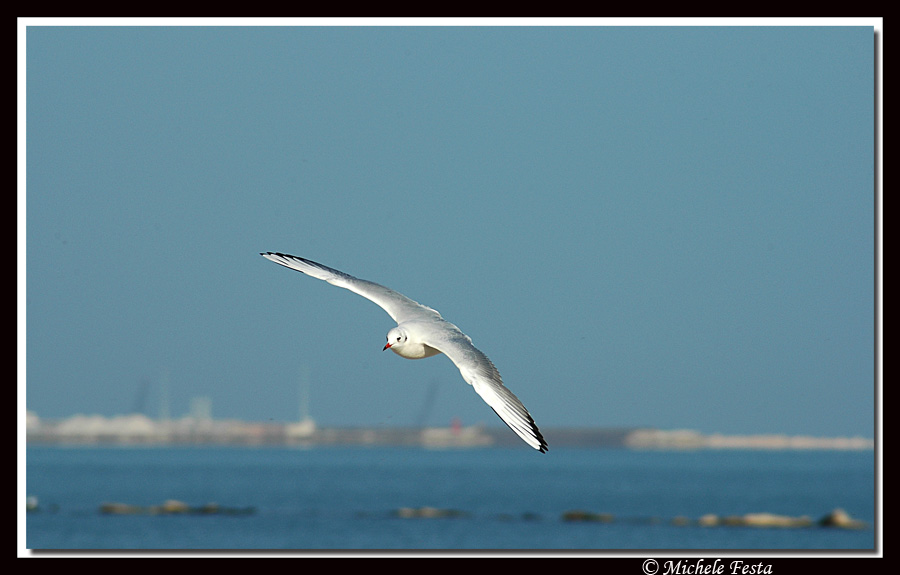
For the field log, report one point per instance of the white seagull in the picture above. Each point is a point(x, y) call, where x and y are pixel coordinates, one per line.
point(422, 332)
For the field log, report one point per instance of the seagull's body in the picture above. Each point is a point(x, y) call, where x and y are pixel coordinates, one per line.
point(422, 332)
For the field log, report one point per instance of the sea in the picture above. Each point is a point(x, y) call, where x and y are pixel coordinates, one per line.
point(338, 499)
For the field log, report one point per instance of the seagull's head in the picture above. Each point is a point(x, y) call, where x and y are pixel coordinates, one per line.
point(395, 338)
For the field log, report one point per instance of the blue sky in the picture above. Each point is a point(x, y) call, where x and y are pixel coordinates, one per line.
point(641, 226)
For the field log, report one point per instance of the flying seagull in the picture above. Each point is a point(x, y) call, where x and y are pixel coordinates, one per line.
point(422, 332)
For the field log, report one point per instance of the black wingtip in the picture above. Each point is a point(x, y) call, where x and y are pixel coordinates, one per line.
point(281, 255)
point(539, 436)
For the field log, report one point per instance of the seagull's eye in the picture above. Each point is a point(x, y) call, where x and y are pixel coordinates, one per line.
point(398, 338)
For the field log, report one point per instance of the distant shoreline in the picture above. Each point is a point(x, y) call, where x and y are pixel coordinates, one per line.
point(138, 429)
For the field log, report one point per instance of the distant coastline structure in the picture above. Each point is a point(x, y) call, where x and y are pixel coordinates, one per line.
point(303, 430)
point(138, 429)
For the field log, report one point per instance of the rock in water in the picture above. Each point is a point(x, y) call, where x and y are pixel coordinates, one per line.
point(840, 518)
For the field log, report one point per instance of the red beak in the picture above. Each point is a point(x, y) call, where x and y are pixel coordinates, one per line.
point(387, 345)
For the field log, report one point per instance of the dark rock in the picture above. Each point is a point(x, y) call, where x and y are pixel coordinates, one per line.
point(841, 519)
point(120, 509)
point(426, 513)
point(579, 515)
point(172, 507)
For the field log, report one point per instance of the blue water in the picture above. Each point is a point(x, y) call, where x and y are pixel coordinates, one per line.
point(346, 498)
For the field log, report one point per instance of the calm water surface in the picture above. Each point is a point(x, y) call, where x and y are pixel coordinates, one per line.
point(347, 498)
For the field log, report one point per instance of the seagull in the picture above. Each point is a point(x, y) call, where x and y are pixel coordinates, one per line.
point(422, 332)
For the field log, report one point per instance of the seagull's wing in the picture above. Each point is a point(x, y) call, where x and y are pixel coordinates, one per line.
point(397, 305)
point(479, 372)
